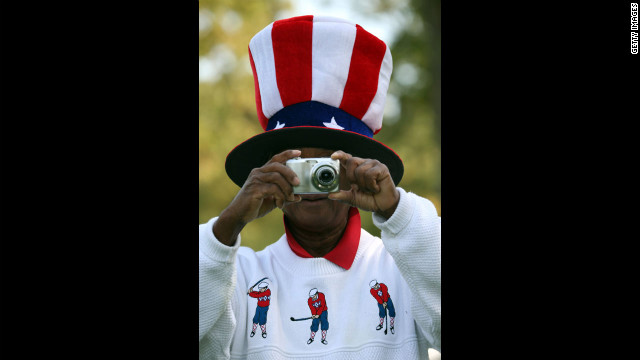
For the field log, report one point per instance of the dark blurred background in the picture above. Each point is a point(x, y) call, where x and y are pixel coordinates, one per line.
point(227, 116)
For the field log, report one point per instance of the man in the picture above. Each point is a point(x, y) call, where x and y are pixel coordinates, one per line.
point(264, 298)
point(380, 292)
point(320, 87)
point(318, 306)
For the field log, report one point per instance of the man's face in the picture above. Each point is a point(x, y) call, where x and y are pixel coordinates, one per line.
point(376, 286)
point(316, 211)
point(263, 289)
point(314, 297)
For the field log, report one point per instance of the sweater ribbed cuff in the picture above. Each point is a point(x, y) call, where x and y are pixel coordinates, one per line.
point(400, 218)
point(213, 248)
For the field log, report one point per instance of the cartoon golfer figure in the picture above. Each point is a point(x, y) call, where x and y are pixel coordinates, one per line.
point(380, 292)
point(318, 307)
point(264, 298)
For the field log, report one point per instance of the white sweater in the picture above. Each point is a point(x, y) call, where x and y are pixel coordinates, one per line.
point(406, 260)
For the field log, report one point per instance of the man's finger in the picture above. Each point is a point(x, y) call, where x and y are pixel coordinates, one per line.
point(372, 176)
point(342, 195)
point(362, 175)
point(284, 170)
point(274, 191)
point(278, 178)
point(279, 203)
point(340, 155)
point(350, 167)
point(343, 157)
point(285, 155)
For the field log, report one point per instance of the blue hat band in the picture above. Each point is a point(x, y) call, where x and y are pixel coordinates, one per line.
point(313, 113)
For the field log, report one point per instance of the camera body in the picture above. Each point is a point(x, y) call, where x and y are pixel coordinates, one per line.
point(317, 175)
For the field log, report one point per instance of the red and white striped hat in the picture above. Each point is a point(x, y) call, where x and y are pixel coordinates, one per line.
point(319, 82)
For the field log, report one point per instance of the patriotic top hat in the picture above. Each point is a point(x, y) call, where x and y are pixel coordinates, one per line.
point(319, 82)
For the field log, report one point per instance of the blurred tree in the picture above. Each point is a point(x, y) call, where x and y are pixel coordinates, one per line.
point(227, 105)
point(412, 124)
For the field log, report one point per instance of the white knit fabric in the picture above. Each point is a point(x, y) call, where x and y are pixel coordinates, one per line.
point(406, 260)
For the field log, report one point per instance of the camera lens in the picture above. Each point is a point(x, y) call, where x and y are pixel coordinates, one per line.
point(326, 176)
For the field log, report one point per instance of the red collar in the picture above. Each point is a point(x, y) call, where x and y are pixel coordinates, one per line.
point(345, 252)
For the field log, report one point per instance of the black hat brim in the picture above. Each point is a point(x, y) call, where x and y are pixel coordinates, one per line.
point(256, 151)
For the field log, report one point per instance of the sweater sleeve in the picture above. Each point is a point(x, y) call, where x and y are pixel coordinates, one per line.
point(311, 308)
point(374, 293)
point(412, 237)
point(217, 281)
point(385, 292)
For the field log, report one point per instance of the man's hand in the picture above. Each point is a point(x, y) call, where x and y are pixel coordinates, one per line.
point(384, 304)
point(315, 316)
point(266, 188)
point(372, 188)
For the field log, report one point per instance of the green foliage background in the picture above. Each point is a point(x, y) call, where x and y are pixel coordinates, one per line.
point(227, 106)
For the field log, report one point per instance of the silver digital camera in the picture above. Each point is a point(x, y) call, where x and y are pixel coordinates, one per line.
point(317, 175)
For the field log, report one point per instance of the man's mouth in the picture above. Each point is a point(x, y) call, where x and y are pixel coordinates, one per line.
point(314, 197)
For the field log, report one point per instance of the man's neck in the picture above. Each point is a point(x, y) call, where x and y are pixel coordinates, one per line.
point(318, 242)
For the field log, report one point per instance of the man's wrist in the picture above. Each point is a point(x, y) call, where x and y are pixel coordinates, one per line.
point(389, 212)
point(227, 228)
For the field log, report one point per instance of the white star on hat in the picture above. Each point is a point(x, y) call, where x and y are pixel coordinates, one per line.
point(333, 124)
point(278, 125)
